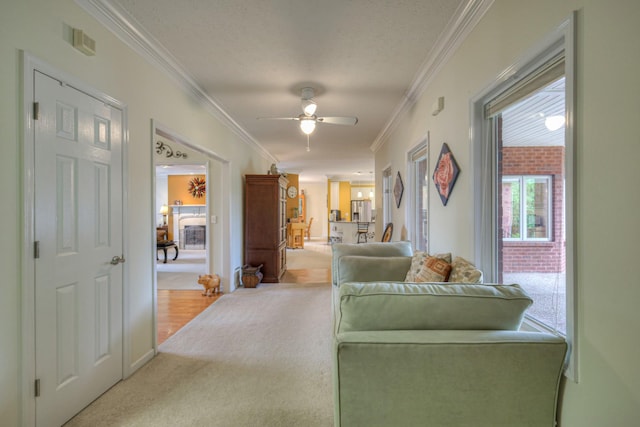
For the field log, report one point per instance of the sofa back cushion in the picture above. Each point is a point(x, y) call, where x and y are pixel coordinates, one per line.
point(377, 249)
point(377, 306)
point(356, 268)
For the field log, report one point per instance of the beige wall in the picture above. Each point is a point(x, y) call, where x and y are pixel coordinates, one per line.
point(608, 200)
point(316, 201)
point(42, 28)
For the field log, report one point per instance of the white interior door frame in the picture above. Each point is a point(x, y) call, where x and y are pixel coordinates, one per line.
point(218, 205)
point(30, 65)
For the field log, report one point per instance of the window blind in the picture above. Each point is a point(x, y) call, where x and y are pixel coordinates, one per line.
point(550, 71)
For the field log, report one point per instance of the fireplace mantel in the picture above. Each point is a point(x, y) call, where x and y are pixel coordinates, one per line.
point(193, 214)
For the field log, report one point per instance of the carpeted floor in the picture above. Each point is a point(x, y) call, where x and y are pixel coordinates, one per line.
point(256, 357)
point(183, 272)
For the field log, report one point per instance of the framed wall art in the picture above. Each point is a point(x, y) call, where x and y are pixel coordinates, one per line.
point(398, 189)
point(445, 174)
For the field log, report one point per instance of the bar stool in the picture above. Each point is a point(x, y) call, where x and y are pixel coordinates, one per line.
point(362, 230)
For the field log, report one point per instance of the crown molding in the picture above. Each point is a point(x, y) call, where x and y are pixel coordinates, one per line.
point(466, 18)
point(131, 33)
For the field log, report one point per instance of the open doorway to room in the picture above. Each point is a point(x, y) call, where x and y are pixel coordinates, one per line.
point(182, 247)
point(190, 212)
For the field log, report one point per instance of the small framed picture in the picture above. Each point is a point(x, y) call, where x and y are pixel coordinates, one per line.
point(445, 174)
point(398, 189)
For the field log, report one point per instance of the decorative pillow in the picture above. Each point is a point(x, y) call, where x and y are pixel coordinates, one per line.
point(417, 262)
point(433, 270)
point(462, 271)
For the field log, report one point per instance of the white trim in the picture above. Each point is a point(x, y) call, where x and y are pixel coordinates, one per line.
point(118, 21)
point(223, 225)
point(569, 30)
point(30, 64)
point(463, 22)
point(410, 189)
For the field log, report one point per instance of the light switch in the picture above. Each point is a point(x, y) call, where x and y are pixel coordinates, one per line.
point(214, 219)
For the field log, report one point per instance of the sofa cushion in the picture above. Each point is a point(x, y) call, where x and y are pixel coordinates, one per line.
point(417, 262)
point(375, 249)
point(433, 270)
point(448, 306)
point(356, 268)
point(462, 271)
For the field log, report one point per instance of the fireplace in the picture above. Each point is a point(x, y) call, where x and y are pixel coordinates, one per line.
point(189, 226)
point(194, 236)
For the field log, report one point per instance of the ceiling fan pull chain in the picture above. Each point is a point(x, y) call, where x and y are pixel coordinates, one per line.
point(308, 148)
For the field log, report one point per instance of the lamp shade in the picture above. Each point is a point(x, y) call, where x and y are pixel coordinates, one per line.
point(164, 209)
point(309, 107)
point(307, 125)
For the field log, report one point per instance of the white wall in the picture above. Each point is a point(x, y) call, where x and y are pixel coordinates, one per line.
point(608, 200)
point(42, 27)
point(315, 194)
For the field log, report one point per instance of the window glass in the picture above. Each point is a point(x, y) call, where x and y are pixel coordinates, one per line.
point(417, 203)
point(526, 197)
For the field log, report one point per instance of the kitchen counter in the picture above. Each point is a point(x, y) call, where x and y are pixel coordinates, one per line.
point(345, 232)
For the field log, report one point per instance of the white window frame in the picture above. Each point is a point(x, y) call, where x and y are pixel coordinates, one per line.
point(484, 188)
point(416, 192)
point(521, 179)
point(387, 203)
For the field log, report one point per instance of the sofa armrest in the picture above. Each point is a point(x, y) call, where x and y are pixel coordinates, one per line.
point(447, 378)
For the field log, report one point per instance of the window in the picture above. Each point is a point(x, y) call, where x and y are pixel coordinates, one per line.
point(524, 182)
point(417, 202)
point(386, 197)
point(526, 208)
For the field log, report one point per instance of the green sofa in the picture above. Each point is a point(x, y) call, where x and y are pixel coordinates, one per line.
point(435, 354)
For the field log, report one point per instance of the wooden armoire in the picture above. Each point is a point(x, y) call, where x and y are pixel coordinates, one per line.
point(265, 224)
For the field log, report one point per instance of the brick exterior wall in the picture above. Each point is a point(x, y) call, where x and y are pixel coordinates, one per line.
point(537, 257)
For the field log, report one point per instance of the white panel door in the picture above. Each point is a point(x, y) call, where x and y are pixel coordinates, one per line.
point(78, 224)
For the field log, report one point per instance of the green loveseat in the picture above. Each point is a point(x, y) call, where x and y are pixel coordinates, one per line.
point(435, 354)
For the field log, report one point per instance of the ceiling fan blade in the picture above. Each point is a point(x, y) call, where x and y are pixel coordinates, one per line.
point(278, 118)
point(349, 121)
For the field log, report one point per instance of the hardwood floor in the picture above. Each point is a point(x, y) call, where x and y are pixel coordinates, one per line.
point(177, 307)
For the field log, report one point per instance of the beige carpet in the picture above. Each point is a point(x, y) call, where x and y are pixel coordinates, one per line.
point(183, 272)
point(256, 357)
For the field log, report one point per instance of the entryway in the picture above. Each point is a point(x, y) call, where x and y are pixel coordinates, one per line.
point(190, 207)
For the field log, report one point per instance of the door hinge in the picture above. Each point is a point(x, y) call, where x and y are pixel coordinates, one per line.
point(37, 388)
point(36, 110)
point(36, 249)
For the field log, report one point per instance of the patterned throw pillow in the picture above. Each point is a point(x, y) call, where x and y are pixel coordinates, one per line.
point(462, 271)
point(434, 270)
point(418, 261)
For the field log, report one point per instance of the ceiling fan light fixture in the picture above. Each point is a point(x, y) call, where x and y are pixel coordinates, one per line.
point(307, 125)
point(309, 107)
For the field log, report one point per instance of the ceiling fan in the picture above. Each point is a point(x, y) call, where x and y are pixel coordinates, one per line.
point(308, 118)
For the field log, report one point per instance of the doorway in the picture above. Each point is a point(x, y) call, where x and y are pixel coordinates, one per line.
point(190, 210)
point(181, 219)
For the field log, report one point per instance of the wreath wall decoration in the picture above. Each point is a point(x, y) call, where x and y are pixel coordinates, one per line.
point(197, 187)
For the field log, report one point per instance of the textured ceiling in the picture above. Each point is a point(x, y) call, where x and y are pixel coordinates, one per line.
point(252, 57)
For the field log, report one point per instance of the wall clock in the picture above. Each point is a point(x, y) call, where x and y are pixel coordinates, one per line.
point(292, 192)
point(197, 187)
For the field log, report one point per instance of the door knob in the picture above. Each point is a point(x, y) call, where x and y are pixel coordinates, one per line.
point(117, 260)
